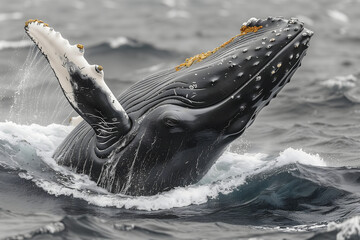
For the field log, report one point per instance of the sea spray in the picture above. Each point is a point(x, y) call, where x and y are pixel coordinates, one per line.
point(229, 173)
point(38, 97)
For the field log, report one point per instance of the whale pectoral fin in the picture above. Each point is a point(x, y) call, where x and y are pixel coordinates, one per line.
point(82, 84)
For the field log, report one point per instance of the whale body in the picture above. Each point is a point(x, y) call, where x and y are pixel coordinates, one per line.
point(167, 130)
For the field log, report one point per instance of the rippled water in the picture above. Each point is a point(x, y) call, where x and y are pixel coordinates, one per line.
point(294, 174)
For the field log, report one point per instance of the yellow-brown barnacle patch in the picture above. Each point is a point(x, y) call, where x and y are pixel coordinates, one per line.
point(246, 29)
point(198, 58)
point(28, 22)
point(46, 25)
point(98, 68)
point(80, 46)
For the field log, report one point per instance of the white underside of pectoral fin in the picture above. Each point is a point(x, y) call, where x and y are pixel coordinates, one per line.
point(59, 52)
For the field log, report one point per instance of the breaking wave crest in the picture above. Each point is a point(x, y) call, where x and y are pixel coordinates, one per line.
point(28, 149)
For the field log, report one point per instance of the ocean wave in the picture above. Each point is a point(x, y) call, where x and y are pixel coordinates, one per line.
point(14, 44)
point(10, 16)
point(123, 41)
point(341, 83)
point(32, 225)
point(347, 86)
point(349, 229)
point(230, 172)
point(127, 45)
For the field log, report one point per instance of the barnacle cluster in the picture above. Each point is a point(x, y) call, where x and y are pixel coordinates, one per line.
point(198, 58)
point(37, 21)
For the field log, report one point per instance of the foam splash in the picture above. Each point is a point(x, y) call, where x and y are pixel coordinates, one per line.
point(349, 229)
point(348, 85)
point(122, 41)
point(341, 83)
point(230, 171)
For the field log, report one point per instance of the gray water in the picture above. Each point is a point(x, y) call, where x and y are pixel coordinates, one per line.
point(294, 174)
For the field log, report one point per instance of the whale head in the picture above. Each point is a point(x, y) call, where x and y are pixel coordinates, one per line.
point(169, 129)
point(185, 117)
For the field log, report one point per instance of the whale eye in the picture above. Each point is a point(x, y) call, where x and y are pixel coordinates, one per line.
point(171, 122)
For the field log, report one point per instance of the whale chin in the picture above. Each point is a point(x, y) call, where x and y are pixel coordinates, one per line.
point(168, 130)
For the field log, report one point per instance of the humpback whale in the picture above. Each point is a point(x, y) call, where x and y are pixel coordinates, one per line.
point(167, 130)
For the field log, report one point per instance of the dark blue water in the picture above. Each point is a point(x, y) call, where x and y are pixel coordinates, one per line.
point(294, 174)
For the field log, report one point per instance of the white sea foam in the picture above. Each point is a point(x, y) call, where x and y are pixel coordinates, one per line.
point(121, 41)
point(229, 172)
point(349, 229)
point(341, 83)
point(338, 16)
point(10, 16)
point(14, 44)
point(348, 85)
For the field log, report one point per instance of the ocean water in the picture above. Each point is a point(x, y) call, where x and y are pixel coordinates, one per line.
point(294, 174)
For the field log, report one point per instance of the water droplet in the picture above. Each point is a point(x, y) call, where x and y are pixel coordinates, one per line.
point(273, 72)
point(242, 107)
point(304, 34)
point(257, 87)
point(258, 78)
point(291, 56)
point(278, 34)
point(240, 74)
point(264, 38)
point(268, 54)
point(296, 29)
point(256, 63)
point(234, 57)
point(289, 36)
point(245, 50)
point(248, 58)
point(297, 56)
point(272, 40)
point(269, 46)
point(279, 65)
point(286, 29)
point(257, 48)
point(297, 45)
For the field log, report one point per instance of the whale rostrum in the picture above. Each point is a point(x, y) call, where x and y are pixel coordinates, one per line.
point(167, 130)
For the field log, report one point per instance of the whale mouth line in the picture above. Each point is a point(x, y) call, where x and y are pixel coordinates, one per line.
point(236, 91)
